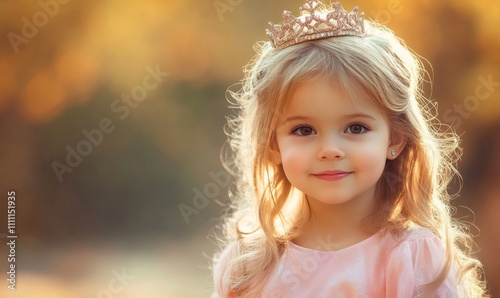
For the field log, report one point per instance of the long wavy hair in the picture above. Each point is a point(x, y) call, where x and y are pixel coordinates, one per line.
point(267, 211)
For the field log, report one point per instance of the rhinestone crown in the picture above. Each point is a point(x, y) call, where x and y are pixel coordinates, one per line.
point(315, 24)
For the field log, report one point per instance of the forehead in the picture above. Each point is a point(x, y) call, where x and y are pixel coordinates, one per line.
point(328, 96)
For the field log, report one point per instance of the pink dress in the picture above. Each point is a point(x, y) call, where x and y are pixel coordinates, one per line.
point(379, 266)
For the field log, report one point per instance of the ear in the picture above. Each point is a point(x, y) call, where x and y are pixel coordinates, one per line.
point(396, 145)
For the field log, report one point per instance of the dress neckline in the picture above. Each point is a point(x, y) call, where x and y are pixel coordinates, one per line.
point(363, 242)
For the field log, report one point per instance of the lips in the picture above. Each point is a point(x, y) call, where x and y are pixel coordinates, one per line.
point(332, 175)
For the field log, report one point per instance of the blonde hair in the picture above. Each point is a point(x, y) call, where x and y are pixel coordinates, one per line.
point(413, 188)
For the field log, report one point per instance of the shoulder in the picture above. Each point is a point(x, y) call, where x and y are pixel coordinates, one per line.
point(417, 257)
point(419, 233)
point(415, 238)
point(417, 248)
point(422, 240)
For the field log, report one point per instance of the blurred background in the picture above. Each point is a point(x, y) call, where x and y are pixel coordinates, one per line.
point(111, 129)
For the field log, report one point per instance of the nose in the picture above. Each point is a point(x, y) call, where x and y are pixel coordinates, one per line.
point(330, 148)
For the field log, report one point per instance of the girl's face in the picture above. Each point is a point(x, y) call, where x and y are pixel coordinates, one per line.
point(331, 149)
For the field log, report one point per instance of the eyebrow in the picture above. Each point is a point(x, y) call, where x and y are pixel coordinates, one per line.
point(360, 115)
point(357, 115)
point(292, 118)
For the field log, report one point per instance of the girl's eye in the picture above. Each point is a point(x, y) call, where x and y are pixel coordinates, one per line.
point(303, 131)
point(356, 128)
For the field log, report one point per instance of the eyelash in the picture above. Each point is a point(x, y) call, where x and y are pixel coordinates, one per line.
point(365, 128)
point(295, 129)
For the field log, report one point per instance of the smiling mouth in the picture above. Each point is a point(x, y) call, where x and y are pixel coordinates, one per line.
point(332, 175)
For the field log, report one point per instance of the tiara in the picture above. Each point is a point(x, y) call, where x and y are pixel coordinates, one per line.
point(315, 24)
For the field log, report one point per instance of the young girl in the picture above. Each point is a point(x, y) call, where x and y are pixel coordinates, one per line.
point(342, 174)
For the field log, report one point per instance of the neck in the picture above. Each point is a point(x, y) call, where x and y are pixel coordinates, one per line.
point(336, 226)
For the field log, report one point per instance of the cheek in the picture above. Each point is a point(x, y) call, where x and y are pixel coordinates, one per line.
point(372, 158)
point(294, 159)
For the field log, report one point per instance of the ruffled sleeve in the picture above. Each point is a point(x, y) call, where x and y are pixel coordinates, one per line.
point(415, 261)
point(221, 276)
